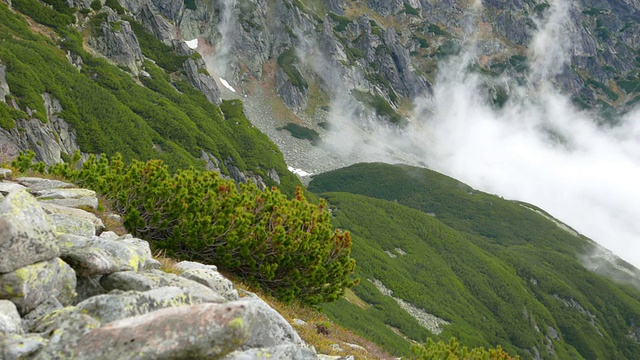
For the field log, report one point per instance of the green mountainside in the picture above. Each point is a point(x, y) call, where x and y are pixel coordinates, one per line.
point(158, 116)
point(497, 271)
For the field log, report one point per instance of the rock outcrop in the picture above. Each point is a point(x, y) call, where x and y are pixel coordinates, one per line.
point(78, 292)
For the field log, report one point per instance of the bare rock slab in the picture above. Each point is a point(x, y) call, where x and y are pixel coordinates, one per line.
point(68, 220)
point(75, 198)
point(280, 352)
point(147, 280)
point(39, 184)
point(120, 304)
point(19, 347)
point(10, 322)
point(25, 234)
point(31, 285)
point(189, 332)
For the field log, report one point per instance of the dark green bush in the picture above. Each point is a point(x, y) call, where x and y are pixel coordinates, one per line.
point(288, 247)
point(96, 5)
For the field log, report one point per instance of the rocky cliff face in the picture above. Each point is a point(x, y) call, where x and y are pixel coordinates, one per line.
point(69, 289)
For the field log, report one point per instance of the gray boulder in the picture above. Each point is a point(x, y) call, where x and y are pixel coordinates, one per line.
point(280, 352)
point(19, 347)
point(73, 221)
point(4, 173)
point(69, 197)
point(92, 261)
point(31, 285)
point(213, 280)
point(10, 322)
point(7, 187)
point(119, 305)
point(64, 328)
point(147, 280)
point(25, 235)
point(39, 184)
point(188, 332)
point(186, 265)
point(31, 322)
point(115, 254)
point(269, 328)
point(88, 287)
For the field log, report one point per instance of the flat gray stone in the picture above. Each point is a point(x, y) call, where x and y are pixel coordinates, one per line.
point(31, 321)
point(7, 187)
point(5, 173)
point(75, 198)
point(213, 280)
point(39, 184)
point(25, 234)
point(269, 328)
point(120, 304)
point(64, 328)
point(116, 254)
point(186, 265)
point(32, 285)
point(10, 322)
point(147, 280)
point(19, 347)
point(91, 261)
point(280, 352)
point(73, 221)
point(204, 331)
point(88, 287)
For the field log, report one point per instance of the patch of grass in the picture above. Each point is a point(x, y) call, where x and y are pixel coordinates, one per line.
point(301, 132)
point(342, 21)
point(409, 10)
point(436, 30)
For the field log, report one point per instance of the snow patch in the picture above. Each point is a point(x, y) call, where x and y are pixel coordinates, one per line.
point(298, 172)
point(226, 84)
point(192, 44)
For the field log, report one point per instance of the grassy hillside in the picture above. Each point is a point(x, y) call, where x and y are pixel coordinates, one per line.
point(112, 110)
point(497, 271)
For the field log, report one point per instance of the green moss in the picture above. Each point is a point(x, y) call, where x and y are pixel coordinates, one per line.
point(342, 22)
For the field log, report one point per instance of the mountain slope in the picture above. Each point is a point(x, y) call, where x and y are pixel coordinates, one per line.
point(60, 98)
point(497, 271)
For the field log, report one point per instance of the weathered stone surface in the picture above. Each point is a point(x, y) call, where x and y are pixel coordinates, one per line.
point(119, 304)
point(7, 187)
point(186, 265)
point(142, 281)
point(91, 261)
point(25, 234)
point(19, 347)
point(69, 197)
point(4, 173)
point(116, 254)
point(65, 224)
point(88, 287)
point(280, 352)
point(64, 328)
point(213, 280)
point(269, 328)
point(40, 184)
point(68, 214)
point(31, 321)
point(31, 285)
point(10, 322)
point(199, 331)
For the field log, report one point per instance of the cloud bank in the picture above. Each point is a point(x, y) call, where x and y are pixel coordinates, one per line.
point(538, 148)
